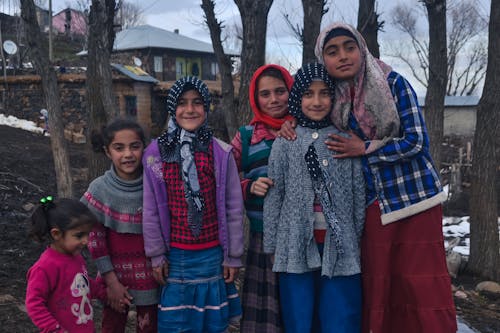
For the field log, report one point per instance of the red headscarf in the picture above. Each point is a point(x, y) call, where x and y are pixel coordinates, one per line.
point(260, 116)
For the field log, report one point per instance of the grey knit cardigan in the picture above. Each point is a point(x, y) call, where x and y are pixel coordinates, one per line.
point(288, 207)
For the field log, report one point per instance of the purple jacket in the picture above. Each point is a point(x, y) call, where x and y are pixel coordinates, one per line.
point(156, 214)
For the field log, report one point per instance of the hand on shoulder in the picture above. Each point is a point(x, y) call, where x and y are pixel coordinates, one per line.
point(287, 130)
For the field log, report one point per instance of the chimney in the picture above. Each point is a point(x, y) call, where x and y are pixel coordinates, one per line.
point(176, 31)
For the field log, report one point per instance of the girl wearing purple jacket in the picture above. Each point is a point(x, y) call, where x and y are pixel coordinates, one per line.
point(193, 217)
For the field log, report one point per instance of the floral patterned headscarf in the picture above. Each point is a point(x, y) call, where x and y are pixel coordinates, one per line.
point(370, 99)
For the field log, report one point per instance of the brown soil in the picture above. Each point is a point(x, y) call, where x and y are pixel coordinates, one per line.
point(27, 174)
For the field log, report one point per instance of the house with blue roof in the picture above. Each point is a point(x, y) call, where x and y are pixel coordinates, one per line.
point(164, 54)
point(459, 115)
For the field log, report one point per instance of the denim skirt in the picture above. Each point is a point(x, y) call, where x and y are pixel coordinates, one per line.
point(195, 297)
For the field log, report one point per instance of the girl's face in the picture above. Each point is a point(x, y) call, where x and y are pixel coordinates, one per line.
point(272, 96)
point(342, 57)
point(317, 101)
point(190, 114)
point(125, 151)
point(72, 241)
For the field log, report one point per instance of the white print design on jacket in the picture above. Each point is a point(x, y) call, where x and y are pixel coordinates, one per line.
point(80, 288)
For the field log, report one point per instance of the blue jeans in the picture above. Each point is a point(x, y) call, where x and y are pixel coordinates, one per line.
point(318, 304)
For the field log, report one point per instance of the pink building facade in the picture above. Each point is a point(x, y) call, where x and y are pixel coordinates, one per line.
point(70, 21)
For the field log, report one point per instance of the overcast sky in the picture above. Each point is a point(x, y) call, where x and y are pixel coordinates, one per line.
point(282, 47)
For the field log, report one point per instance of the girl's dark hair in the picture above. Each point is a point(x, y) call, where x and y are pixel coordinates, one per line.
point(107, 134)
point(271, 72)
point(63, 214)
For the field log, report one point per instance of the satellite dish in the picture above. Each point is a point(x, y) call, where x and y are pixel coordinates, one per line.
point(10, 47)
point(137, 61)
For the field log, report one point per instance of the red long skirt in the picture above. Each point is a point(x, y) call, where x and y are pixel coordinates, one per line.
point(406, 285)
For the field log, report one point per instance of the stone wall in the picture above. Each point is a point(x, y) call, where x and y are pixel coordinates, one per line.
point(21, 97)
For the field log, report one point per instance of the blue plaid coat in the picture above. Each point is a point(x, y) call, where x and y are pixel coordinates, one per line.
point(401, 175)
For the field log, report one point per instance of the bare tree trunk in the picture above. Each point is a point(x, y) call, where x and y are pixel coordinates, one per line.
point(101, 105)
point(313, 13)
point(37, 46)
point(225, 66)
point(4, 66)
point(436, 89)
point(4, 61)
point(253, 51)
point(369, 26)
point(484, 245)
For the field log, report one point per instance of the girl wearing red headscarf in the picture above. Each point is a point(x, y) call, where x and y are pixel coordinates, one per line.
point(268, 95)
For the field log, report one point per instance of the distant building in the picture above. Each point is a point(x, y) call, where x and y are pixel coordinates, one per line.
point(166, 55)
point(459, 114)
point(70, 22)
point(10, 26)
point(42, 16)
point(135, 96)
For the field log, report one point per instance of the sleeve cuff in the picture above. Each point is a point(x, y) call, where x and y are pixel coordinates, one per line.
point(232, 262)
point(248, 194)
point(104, 264)
point(267, 249)
point(158, 261)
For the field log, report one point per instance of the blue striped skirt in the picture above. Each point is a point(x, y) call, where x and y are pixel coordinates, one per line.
point(196, 298)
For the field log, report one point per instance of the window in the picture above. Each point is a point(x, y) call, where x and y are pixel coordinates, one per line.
point(180, 68)
point(214, 70)
point(131, 106)
point(158, 64)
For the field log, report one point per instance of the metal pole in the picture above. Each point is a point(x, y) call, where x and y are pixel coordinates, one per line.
point(51, 57)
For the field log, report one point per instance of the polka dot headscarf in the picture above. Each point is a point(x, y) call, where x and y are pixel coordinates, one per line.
point(182, 85)
point(170, 140)
point(305, 76)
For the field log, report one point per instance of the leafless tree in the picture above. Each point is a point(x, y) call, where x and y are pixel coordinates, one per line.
point(484, 257)
point(369, 25)
point(466, 55)
point(232, 36)
point(101, 106)
point(253, 51)
point(4, 63)
point(225, 67)
point(314, 10)
point(313, 13)
point(463, 29)
point(232, 39)
point(129, 15)
point(38, 48)
point(436, 88)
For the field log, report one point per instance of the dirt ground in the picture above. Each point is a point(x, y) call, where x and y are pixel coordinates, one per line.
point(27, 174)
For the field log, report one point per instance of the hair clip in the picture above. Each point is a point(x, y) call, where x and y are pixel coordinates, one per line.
point(47, 202)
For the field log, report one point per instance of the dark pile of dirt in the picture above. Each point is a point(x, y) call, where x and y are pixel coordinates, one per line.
point(27, 174)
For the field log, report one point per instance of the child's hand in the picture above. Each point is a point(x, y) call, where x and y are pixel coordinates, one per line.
point(117, 294)
point(230, 274)
point(118, 297)
point(159, 273)
point(261, 186)
point(287, 130)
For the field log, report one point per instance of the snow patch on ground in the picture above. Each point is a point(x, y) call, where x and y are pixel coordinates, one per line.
point(20, 123)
